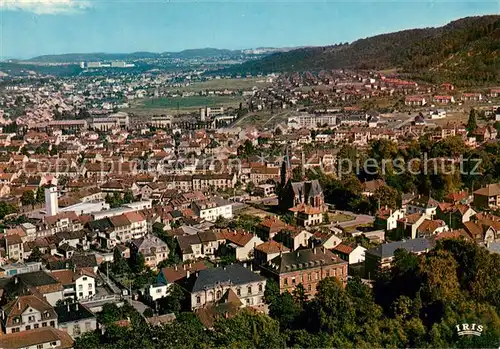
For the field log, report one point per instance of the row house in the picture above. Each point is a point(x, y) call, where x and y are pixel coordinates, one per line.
point(472, 97)
point(415, 101)
point(440, 99)
point(199, 245)
point(118, 229)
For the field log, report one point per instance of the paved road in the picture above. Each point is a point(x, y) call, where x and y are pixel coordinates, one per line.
point(139, 306)
point(268, 200)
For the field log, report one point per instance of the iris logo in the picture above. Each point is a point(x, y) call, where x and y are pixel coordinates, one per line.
point(469, 329)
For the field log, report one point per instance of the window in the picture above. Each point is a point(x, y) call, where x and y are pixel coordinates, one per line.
point(219, 294)
point(90, 285)
point(44, 324)
point(28, 327)
point(248, 301)
point(158, 290)
point(286, 281)
point(80, 294)
point(238, 292)
point(340, 272)
point(15, 329)
point(17, 320)
point(309, 277)
point(31, 318)
point(260, 287)
point(80, 287)
point(249, 289)
point(36, 326)
point(53, 344)
point(53, 323)
point(198, 299)
point(39, 346)
point(317, 275)
point(293, 280)
point(84, 278)
point(334, 272)
point(309, 287)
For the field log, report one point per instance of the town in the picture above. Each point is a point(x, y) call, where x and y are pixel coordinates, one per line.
point(340, 208)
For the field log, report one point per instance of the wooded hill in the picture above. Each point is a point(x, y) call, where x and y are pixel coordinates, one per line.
point(466, 50)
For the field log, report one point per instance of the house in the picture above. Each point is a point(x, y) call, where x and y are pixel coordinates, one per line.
point(210, 285)
point(369, 187)
point(306, 267)
point(327, 240)
point(415, 101)
point(381, 257)
point(37, 281)
point(472, 97)
point(293, 239)
point(440, 99)
point(26, 313)
point(75, 319)
point(200, 245)
point(14, 247)
point(353, 255)
point(487, 197)
point(78, 284)
point(242, 242)
point(307, 215)
point(431, 227)
point(167, 276)
point(152, 248)
point(269, 227)
point(210, 210)
point(407, 226)
point(387, 219)
point(424, 205)
point(483, 231)
point(268, 250)
point(40, 338)
point(461, 197)
point(455, 215)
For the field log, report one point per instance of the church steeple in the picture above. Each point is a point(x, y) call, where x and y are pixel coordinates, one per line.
point(286, 168)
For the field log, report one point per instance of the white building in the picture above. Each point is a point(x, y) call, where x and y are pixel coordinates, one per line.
point(51, 202)
point(210, 210)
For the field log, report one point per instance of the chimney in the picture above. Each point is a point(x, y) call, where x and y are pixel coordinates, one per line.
point(188, 274)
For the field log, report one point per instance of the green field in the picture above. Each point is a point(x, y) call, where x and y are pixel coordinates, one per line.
point(192, 102)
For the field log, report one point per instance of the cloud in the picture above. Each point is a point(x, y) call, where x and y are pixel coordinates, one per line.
point(43, 7)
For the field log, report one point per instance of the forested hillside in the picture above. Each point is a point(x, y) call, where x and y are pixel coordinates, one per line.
point(464, 50)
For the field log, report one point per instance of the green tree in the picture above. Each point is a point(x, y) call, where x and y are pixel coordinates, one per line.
point(173, 302)
point(35, 255)
point(137, 262)
point(128, 197)
point(28, 198)
point(471, 122)
point(40, 195)
point(248, 330)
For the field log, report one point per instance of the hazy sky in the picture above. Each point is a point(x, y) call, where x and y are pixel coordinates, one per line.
point(34, 27)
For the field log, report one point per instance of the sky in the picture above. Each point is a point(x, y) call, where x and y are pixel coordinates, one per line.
point(30, 28)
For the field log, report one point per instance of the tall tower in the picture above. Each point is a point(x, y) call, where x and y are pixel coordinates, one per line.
point(286, 168)
point(51, 204)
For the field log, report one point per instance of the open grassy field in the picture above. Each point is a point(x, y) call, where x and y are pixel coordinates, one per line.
point(339, 217)
point(222, 84)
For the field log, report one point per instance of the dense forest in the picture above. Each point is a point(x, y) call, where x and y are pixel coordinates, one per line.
point(466, 51)
point(417, 303)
